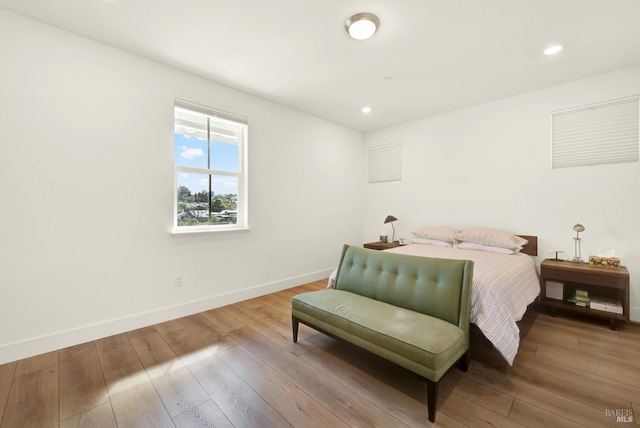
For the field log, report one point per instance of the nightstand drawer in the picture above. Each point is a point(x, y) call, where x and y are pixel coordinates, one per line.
point(584, 278)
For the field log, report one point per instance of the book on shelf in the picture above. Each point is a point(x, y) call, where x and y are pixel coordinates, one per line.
point(578, 302)
point(606, 304)
point(580, 298)
point(582, 293)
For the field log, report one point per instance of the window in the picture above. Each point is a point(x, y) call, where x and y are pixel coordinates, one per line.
point(596, 134)
point(209, 151)
point(385, 163)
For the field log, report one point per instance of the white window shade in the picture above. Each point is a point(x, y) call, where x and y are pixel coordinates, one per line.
point(193, 107)
point(385, 163)
point(597, 134)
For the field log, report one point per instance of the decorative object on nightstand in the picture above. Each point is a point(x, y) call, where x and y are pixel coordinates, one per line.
point(554, 290)
point(551, 251)
point(578, 228)
point(391, 219)
point(604, 261)
point(607, 304)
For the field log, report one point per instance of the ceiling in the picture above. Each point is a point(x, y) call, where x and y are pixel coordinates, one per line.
point(440, 55)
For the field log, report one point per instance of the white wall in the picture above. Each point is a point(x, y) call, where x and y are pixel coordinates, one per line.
point(86, 178)
point(490, 165)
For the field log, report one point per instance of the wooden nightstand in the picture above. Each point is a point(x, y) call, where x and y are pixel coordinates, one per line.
point(380, 245)
point(605, 282)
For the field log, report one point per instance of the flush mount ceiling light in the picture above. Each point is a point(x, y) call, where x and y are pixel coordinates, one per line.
point(366, 109)
point(551, 50)
point(361, 26)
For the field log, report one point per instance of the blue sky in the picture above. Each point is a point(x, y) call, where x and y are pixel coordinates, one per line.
point(191, 151)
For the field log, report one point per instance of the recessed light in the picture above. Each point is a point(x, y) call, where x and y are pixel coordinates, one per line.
point(362, 26)
point(551, 50)
point(366, 109)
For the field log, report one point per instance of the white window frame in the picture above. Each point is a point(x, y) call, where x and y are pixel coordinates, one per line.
point(242, 222)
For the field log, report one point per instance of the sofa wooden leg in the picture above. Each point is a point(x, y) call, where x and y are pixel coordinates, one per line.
point(295, 324)
point(465, 361)
point(432, 399)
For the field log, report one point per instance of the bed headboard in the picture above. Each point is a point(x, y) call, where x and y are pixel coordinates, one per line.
point(532, 247)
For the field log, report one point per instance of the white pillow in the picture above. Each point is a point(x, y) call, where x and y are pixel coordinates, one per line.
point(492, 238)
point(435, 242)
point(439, 233)
point(472, 246)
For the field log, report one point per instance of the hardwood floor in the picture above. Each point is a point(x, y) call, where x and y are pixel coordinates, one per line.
point(237, 366)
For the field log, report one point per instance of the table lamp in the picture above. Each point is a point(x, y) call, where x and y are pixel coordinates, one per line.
point(578, 228)
point(391, 219)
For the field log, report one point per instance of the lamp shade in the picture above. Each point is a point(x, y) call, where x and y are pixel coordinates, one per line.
point(389, 219)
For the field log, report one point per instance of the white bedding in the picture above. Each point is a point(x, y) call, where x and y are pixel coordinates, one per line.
point(503, 287)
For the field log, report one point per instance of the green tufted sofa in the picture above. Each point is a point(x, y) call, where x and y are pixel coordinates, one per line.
point(413, 311)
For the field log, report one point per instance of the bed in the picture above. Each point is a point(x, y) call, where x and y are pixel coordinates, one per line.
point(503, 287)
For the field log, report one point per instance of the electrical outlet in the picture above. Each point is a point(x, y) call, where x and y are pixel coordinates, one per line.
point(178, 280)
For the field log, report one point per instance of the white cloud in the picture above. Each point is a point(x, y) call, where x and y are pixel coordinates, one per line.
point(191, 153)
point(183, 175)
point(223, 184)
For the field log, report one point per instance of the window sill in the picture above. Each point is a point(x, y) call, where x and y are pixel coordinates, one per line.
point(194, 230)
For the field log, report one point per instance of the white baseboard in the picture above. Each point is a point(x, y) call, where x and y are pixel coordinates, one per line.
point(63, 339)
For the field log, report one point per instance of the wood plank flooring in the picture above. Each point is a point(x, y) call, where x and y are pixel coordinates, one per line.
point(236, 366)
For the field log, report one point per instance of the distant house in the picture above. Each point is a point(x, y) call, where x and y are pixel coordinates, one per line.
point(200, 215)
